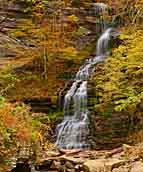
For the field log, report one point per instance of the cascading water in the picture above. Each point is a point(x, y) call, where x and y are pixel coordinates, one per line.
point(100, 10)
point(103, 43)
point(73, 132)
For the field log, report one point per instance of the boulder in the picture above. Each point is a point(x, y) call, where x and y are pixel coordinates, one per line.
point(69, 165)
point(137, 167)
point(94, 165)
point(113, 163)
point(69, 152)
point(52, 154)
point(121, 169)
point(71, 170)
point(55, 165)
point(72, 160)
point(102, 165)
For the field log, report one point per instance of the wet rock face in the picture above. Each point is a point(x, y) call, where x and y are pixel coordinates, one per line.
point(109, 131)
point(39, 104)
point(10, 15)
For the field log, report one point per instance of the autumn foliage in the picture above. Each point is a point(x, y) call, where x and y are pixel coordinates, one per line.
point(16, 129)
point(49, 50)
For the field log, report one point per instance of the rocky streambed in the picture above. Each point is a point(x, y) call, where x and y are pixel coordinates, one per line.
point(123, 159)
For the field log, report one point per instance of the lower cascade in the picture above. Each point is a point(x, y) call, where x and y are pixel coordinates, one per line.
point(73, 132)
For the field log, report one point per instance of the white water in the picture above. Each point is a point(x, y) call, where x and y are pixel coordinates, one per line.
point(103, 42)
point(73, 132)
point(100, 10)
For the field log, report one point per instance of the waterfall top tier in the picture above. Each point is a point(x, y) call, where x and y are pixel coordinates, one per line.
point(100, 8)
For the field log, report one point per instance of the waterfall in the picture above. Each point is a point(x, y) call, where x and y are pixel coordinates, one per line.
point(73, 131)
point(100, 10)
point(103, 42)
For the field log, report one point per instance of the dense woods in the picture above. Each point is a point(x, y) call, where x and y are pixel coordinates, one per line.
point(43, 43)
